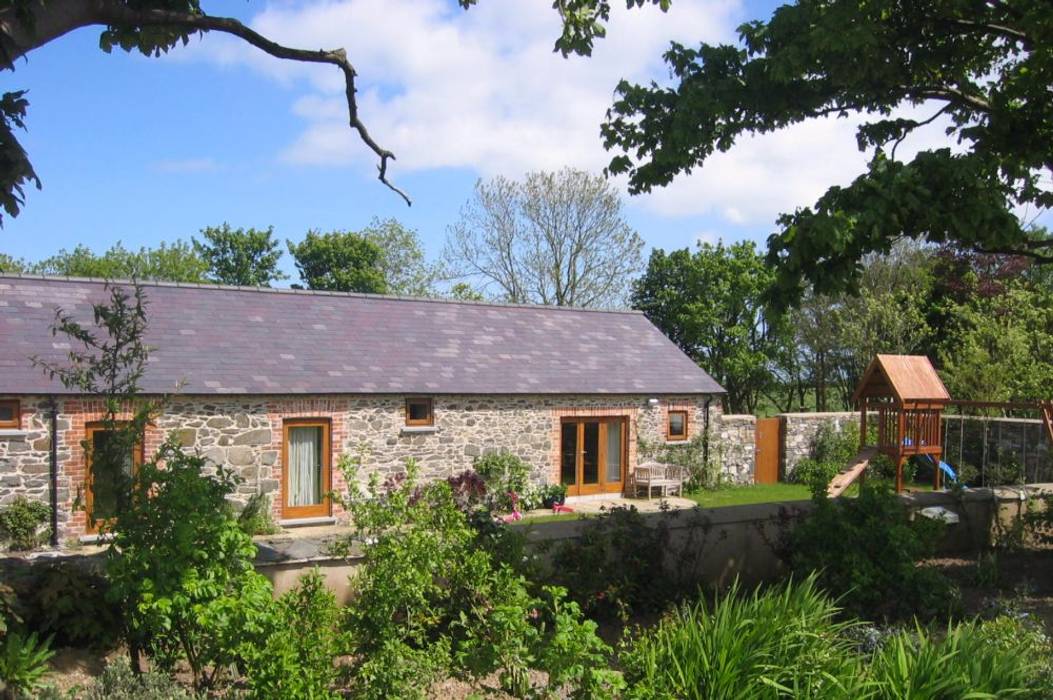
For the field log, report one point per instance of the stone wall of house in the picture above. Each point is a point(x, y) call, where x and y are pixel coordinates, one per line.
point(245, 434)
point(800, 431)
point(736, 447)
point(25, 457)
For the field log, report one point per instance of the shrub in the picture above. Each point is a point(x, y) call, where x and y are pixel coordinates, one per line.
point(780, 642)
point(295, 657)
point(868, 550)
point(182, 568)
point(832, 451)
point(505, 474)
point(816, 475)
point(255, 517)
point(968, 660)
point(468, 490)
point(70, 603)
point(702, 467)
point(616, 566)
point(21, 522)
point(430, 601)
point(118, 682)
point(23, 662)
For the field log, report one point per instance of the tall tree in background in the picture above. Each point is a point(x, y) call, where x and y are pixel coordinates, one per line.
point(710, 304)
point(245, 257)
point(340, 261)
point(982, 68)
point(403, 263)
point(555, 238)
point(175, 262)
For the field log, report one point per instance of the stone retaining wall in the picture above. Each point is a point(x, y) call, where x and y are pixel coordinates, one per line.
point(799, 431)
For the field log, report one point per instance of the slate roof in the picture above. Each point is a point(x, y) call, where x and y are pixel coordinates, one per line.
point(231, 340)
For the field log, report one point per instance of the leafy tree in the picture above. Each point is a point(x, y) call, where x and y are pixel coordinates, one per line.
point(9, 264)
point(554, 238)
point(183, 569)
point(403, 263)
point(1000, 347)
point(983, 68)
point(462, 291)
point(175, 262)
point(340, 261)
point(710, 304)
point(245, 257)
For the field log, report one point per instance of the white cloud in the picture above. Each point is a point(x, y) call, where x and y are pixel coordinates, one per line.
point(483, 90)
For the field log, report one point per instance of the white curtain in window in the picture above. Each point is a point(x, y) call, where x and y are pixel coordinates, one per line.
point(305, 466)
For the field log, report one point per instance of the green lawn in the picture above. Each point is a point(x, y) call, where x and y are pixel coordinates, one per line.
point(744, 495)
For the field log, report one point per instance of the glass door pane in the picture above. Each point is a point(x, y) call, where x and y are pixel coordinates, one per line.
point(568, 455)
point(613, 469)
point(305, 466)
point(111, 475)
point(590, 468)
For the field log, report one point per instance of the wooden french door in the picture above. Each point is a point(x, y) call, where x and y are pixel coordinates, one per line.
point(593, 455)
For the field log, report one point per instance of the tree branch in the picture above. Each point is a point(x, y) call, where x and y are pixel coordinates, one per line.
point(949, 94)
point(63, 16)
point(120, 14)
point(1026, 252)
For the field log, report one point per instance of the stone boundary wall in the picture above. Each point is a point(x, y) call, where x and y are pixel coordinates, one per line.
point(799, 431)
point(736, 445)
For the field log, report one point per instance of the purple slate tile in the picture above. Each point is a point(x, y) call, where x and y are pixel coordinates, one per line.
point(230, 340)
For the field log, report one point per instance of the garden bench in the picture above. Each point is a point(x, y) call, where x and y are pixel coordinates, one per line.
point(665, 477)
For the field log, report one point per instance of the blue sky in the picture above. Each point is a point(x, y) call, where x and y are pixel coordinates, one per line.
point(148, 150)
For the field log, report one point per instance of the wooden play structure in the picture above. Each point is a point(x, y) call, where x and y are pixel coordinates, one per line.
point(908, 398)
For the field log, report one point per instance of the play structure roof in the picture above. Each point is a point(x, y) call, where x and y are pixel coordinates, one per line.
point(906, 378)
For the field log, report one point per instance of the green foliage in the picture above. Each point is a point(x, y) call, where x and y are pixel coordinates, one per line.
point(69, 604)
point(833, 451)
point(431, 601)
point(21, 522)
point(616, 566)
point(295, 658)
point(780, 642)
point(182, 568)
point(461, 291)
point(110, 365)
point(341, 261)
point(981, 660)
point(15, 169)
point(23, 662)
point(702, 467)
point(709, 304)
point(245, 257)
point(1000, 348)
point(118, 682)
point(256, 518)
point(9, 264)
point(868, 550)
point(402, 261)
point(505, 474)
point(175, 262)
point(984, 69)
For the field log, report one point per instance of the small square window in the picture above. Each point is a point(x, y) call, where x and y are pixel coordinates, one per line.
point(10, 417)
point(677, 429)
point(419, 412)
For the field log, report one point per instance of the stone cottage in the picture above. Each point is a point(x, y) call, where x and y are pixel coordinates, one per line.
point(279, 384)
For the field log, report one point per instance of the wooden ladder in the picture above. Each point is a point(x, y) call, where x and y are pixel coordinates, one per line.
point(840, 483)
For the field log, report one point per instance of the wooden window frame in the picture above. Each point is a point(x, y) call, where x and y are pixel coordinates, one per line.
point(92, 525)
point(602, 485)
point(323, 509)
point(669, 435)
point(429, 421)
point(16, 422)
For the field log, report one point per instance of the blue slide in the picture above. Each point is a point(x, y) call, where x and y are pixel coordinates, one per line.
point(945, 468)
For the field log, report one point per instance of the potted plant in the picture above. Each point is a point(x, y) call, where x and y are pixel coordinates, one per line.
point(553, 495)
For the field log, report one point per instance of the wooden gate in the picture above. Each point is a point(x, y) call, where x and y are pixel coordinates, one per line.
point(768, 451)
